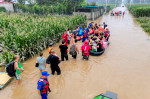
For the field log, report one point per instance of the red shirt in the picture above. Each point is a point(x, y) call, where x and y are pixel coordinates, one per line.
point(86, 49)
point(107, 33)
point(65, 37)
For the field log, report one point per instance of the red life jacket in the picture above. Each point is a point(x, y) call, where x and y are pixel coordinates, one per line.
point(85, 34)
point(46, 88)
point(86, 49)
point(65, 37)
point(107, 33)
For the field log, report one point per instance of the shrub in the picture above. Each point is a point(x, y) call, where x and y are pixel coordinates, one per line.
point(2, 9)
point(140, 10)
point(145, 23)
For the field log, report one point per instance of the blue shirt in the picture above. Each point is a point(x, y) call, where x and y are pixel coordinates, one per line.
point(87, 29)
point(90, 25)
point(40, 83)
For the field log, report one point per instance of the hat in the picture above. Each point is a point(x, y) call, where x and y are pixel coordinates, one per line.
point(50, 44)
point(86, 41)
point(45, 73)
point(107, 28)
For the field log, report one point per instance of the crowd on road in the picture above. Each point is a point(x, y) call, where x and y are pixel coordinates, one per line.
point(95, 39)
point(117, 13)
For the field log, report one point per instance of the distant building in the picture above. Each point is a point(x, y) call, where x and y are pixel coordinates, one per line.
point(25, 1)
point(8, 5)
point(92, 12)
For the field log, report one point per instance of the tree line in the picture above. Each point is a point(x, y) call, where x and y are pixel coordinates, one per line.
point(49, 6)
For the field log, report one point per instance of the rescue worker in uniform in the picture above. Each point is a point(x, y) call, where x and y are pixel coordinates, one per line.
point(86, 49)
point(43, 86)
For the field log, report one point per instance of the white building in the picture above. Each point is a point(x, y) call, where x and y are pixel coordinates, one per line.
point(8, 5)
point(26, 1)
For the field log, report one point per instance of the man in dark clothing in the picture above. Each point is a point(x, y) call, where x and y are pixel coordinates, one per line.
point(54, 61)
point(99, 47)
point(63, 50)
point(105, 25)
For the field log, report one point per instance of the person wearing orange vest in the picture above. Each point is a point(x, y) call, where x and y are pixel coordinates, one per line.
point(43, 86)
point(101, 28)
point(50, 48)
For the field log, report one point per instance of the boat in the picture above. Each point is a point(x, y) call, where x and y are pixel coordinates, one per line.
point(108, 95)
point(96, 53)
point(4, 79)
point(78, 38)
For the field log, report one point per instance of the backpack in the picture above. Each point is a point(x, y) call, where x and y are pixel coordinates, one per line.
point(10, 69)
point(72, 50)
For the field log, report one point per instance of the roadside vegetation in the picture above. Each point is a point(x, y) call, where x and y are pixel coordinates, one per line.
point(29, 34)
point(50, 6)
point(142, 12)
point(2, 9)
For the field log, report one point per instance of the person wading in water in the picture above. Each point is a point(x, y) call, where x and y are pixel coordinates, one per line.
point(74, 49)
point(86, 50)
point(17, 76)
point(42, 62)
point(63, 50)
point(43, 86)
point(54, 61)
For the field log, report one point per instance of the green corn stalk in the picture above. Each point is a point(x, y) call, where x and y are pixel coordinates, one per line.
point(27, 34)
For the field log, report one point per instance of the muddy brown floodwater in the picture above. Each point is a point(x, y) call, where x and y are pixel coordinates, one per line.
point(124, 68)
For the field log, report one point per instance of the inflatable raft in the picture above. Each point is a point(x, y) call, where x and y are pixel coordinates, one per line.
point(78, 38)
point(108, 95)
point(4, 79)
point(96, 53)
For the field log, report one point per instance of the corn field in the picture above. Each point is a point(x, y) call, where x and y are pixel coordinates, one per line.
point(145, 23)
point(140, 10)
point(27, 35)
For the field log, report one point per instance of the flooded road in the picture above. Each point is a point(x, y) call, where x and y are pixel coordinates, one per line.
point(123, 68)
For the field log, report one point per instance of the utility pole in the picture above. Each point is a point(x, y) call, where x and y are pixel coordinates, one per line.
point(106, 7)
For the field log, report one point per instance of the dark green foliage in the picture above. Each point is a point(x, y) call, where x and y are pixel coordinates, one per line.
point(145, 23)
point(51, 6)
point(2, 9)
point(140, 10)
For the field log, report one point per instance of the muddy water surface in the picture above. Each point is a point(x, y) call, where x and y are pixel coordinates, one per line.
point(123, 68)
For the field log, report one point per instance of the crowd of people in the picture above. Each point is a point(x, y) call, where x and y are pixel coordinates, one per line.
point(94, 38)
point(117, 13)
